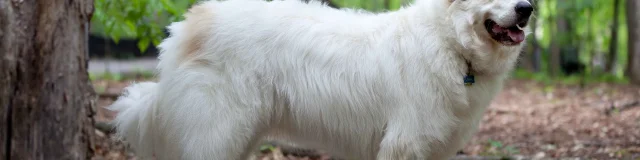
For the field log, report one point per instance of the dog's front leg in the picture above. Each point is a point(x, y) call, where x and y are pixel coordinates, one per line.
point(410, 137)
point(399, 146)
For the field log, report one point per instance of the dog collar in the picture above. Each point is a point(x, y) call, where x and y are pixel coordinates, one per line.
point(469, 79)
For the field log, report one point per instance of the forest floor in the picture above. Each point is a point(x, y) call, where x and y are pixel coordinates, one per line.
point(527, 119)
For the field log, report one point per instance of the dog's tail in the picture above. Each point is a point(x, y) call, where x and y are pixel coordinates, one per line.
point(134, 120)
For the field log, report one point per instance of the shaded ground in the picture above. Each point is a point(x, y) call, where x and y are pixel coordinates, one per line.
point(563, 121)
point(527, 119)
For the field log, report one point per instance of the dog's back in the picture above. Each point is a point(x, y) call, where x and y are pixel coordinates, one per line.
point(232, 26)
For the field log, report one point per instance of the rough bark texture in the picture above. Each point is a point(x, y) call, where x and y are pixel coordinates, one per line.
point(633, 64)
point(45, 94)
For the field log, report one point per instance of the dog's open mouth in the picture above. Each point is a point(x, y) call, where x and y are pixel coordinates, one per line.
point(511, 35)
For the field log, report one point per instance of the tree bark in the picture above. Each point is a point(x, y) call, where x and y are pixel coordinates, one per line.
point(633, 64)
point(45, 96)
point(613, 46)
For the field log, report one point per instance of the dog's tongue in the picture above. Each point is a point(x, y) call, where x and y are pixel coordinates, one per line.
point(516, 35)
point(497, 29)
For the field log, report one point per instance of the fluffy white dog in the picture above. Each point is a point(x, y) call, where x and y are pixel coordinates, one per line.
point(359, 85)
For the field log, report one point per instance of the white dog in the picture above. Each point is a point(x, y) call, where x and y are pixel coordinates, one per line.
point(359, 85)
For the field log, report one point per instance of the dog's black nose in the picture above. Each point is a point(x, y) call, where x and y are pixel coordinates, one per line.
point(523, 10)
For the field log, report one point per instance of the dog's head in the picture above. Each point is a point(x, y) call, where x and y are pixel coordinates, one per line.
point(490, 22)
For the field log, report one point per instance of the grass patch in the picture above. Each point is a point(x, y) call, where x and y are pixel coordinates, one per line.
point(106, 76)
point(497, 149)
point(110, 76)
point(547, 79)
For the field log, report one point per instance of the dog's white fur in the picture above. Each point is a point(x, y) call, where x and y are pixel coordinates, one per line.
point(359, 85)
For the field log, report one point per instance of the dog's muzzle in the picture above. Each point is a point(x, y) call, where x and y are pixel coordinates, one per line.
point(511, 34)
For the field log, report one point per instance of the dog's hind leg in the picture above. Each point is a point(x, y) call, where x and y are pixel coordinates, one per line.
point(212, 119)
point(233, 141)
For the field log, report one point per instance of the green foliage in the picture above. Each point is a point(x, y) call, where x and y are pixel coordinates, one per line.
point(106, 76)
point(372, 5)
point(100, 89)
point(140, 19)
point(547, 79)
point(496, 148)
point(145, 74)
point(590, 29)
point(267, 148)
point(110, 76)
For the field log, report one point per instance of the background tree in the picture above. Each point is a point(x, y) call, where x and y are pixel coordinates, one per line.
point(45, 94)
point(613, 48)
point(633, 64)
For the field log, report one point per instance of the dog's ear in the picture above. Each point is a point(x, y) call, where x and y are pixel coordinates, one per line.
point(463, 23)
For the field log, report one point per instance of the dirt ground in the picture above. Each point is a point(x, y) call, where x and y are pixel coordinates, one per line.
point(527, 120)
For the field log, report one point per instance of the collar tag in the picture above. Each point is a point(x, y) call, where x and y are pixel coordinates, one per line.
point(469, 79)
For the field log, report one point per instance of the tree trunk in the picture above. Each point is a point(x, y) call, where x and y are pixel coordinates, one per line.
point(45, 95)
point(557, 44)
point(633, 64)
point(613, 46)
point(531, 59)
point(537, 49)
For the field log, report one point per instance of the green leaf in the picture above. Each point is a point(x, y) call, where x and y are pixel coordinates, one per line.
point(394, 4)
point(143, 44)
point(169, 6)
point(511, 150)
point(156, 41)
point(115, 38)
point(495, 144)
point(267, 147)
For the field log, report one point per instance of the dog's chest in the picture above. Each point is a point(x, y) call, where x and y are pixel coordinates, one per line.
point(479, 96)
